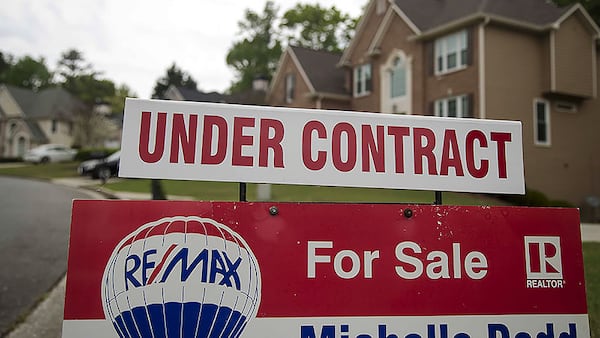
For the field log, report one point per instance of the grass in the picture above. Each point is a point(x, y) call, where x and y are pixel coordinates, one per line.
point(591, 261)
point(42, 171)
point(223, 191)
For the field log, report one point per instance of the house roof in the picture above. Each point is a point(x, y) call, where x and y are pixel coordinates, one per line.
point(36, 132)
point(50, 102)
point(429, 14)
point(320, 69)
point(198, 96)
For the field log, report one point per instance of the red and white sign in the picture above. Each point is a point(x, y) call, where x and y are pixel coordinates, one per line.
point(187, 269)
point(220, 142)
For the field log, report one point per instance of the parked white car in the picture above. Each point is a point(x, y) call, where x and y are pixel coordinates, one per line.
point(50, 153)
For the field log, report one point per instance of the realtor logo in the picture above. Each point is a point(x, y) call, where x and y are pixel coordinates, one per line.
point(543, 261)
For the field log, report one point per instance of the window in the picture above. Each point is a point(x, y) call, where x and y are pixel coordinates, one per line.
point(290, 84)
point(457, 106)
point(362, 80)
point(541, 119)
point(451, 52)
point(54, 126)
point(398, 79)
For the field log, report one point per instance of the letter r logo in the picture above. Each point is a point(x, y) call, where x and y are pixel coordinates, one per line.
point(542, 257)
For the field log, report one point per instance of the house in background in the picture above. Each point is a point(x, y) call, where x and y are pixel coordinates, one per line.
point(28, 119)
point(524, 60)
point(254, 96)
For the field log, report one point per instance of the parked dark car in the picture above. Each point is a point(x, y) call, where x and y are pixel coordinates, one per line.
point(101, 168)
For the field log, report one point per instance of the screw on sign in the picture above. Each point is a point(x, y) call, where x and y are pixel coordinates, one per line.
point(181, 277)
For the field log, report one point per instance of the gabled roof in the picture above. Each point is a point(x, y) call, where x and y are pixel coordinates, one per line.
point(198, 96)
point(429, 14)
point(50, 102)
point(320, 69)
point(36, 132)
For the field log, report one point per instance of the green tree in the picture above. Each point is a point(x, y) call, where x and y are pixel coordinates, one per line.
point(72, 64)
point(117, 102)
point(27, 73)
point(175, 77)
point(259, 50)
point(6, 63)
point(317, 27)
point(80, 79)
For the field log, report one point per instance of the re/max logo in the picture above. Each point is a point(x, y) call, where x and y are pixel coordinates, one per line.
point(145, 270)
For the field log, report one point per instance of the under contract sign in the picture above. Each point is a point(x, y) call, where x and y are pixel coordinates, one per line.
point(221, 142)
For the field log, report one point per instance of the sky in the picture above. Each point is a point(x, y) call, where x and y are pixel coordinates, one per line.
point(133, 42)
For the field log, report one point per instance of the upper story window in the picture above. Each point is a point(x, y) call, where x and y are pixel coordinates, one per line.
point(541, 122)
point(290, 86)
point(451, 52)
point(457, 106)
point(398, 78)
point(362, 80)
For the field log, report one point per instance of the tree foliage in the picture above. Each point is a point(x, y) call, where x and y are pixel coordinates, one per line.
point(317, 27)
point(80, 79)
point(264, 35)
point(27, 73)
point(174, 76)
point(117, 101)
point(258, 52)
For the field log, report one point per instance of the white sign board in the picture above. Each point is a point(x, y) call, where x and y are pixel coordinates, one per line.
point(254, 144)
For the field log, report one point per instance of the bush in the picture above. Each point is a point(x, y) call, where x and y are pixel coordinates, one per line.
point(10, 159)
point(534, 198)
point(93, 153)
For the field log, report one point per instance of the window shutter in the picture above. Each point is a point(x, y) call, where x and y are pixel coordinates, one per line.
point(430, 109)
point(293, 89)
point(469, 112)
point(470, 51)
point(429, 58)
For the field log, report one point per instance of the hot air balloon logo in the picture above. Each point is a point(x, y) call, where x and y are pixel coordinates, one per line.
point(181, 277)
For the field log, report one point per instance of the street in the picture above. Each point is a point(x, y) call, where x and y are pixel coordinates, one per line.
point(33, 243)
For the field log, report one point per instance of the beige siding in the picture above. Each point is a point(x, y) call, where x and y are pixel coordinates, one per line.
point(567, 169)
point(62, 135)
point(574, 58)
point(9, 106)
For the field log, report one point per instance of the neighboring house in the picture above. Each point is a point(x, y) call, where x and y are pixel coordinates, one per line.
point(524, 60)
point(254, 96)
point(28, 119)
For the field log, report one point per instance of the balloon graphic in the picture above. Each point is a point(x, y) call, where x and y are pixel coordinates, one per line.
point(181, 277)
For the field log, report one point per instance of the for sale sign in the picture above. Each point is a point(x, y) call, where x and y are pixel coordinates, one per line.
point(219, 142)
point(226, 269)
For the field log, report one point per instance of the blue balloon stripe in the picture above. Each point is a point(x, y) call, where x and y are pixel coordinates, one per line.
point(215, 322)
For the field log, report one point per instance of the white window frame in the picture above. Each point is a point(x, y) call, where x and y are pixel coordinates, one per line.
point(536, 136)
point(462, 106)
point(444, 47)
point(399, 104)
point(290, 86)
point(362, 75)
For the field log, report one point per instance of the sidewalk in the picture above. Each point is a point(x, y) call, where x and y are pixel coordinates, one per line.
point(45, 321)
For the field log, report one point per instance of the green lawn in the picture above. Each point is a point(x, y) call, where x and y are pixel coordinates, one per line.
point(224, 191)
point(591, 260)
point(43, 171)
